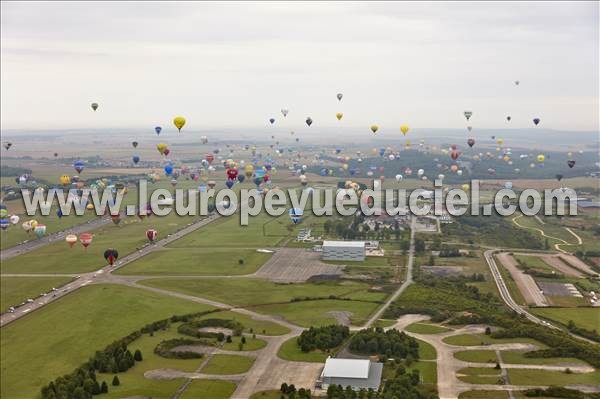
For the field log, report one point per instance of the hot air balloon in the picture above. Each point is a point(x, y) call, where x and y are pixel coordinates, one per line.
point(3, 212)
point(471, 142)
point(111, 255)
point(339, 96)
point(65, 180)
point(272, 120)
point(454, 155)
point(204, 139)
point(79, 166)
point(134, 144)
point(468, 114)
point(179, 122)
point(229, 183)
point(7, 145)
point(516, 82)
point(296, 214)
point(151, 234)
point(135, 159)
point(211, 184)
point(559, 177)
point(14, 219)
point(469, 128)
point(571, 163)
point(374, 128)
point(94, 106)
point(161, 147)
point(284, 112)
point(399, 177)
point(168, 169)
point(541, 158)
point(309, 121)
point(157, 129)
point(404, 129)
point(55, 154)
point(339, 116)
point(4, 224)
point(508, 118)
point(536, 121)
point(71, 239)
point(40, 230)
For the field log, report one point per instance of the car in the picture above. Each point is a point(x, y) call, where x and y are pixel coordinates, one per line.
point(54, 289)
point(29, 300)
point(11, 309)
point(77, 276)
point(43, 294)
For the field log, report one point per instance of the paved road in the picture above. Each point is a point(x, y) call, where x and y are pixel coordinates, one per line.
point(101, 275)
point(400, 290)
point(50, 238)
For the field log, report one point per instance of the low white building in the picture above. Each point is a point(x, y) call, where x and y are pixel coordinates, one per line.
point(344, 250)
point(356, 373)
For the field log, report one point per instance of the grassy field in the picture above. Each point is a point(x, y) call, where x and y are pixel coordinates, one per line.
point(544, 377)
point(535, 262)
point(479, 375)
point(248, 292)
point(481, 339)
point(191, 261)
point(426, 351)
point(62, 335)
point(290, 350)
point(14, 290)
point(227, 364)
point(209, 389)
point(424, 328)
point(126, 237)
point(483, 395)
point(318, 313)
point(516, 357)
point(133, 382)
point(427, 370)
point(251, 326)
point(252, 344)
point(477, 356)
point(274, 394)
point(588, 318)
point(261, 231)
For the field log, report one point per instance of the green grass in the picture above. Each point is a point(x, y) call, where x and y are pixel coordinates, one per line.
point(290, 350)
point(247, 292)
point(544, 377)
point(272, 394)
point(227, 364)
point(192, 261)
point(251, 326)
point(427, 370)
point(252, 344)
point(65, 333)
point(481, 339)
point(209, 389)
point(588, 318)
point(262, 230)
point(477, 356)
point(516, 357)
point(479, 375)
point(426, 351)
point(535, 262)
point(57, 257)
point(315, 313)
point(484, 395)
point(14, 290)
point(423, 328)
point(133, 382)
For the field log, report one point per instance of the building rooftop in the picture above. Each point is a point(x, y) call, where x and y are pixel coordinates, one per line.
point(348, 244)
point(346, 368)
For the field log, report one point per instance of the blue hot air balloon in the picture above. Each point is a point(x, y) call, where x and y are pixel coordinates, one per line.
point(59, 213)
point(257, 181)
point(229, 183)
point(4, 223)
point(241, 178)
point(79, 166)
point(136, 159)
point(168, 169)
point(382, 151)
point(158, 129)
point(296, 215)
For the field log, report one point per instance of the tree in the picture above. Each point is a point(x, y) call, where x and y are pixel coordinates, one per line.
point(240, 261)
point(104, 387)
point(115, 381)
point(137, 356)
point(488, 330)
point(243, 340)
point(497, 367)
point(419, 245)
point(229, 339)
point(240, 346)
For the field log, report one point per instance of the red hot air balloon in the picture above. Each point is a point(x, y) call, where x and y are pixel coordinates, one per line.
point(232, 173)
point(111, 255)
point(454, 155)
point(151, 234)
point(86, 239)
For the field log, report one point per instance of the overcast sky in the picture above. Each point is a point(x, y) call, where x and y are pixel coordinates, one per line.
point(237, 64)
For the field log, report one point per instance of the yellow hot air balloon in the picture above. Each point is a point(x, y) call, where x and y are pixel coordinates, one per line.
point(65, 180)
point(339, 116)
point(345, 166)
point(404, 129)
point(374, 128)
point(465, 187)
point(89, 206)
point(179, 122)
point(161, 147)
point(500, 141)
point(541, 158)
